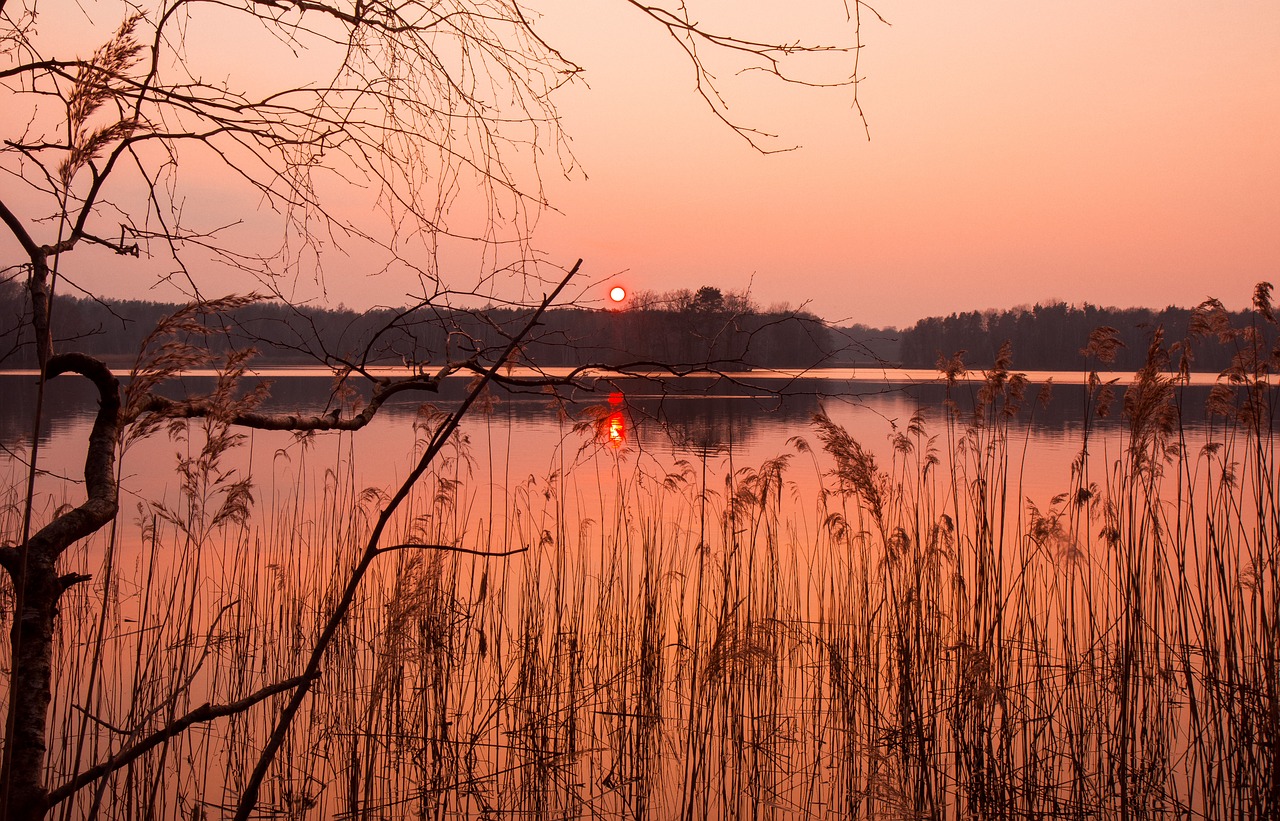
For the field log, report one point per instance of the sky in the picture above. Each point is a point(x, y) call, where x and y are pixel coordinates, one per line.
point(1117, 153)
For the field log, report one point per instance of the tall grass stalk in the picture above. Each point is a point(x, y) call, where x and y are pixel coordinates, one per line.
point(912, 639)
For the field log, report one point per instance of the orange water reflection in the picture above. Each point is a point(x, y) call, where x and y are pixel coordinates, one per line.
point(615, 425)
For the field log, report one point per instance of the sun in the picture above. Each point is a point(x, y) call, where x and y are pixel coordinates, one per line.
point(618, 293)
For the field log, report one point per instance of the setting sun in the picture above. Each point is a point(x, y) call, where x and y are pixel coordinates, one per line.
point(618, 293)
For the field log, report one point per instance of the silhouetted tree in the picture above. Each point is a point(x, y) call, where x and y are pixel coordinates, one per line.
point(1052, 336)
point(410, 106)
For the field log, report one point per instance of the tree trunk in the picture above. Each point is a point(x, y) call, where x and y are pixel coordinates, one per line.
point(29, 689)
point(38, 287)
point(37, 589)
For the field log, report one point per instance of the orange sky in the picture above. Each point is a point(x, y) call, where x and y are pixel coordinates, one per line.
point(1116, 153)
point(1120, 153)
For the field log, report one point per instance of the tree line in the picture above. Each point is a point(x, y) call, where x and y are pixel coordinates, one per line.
point(682, 329)
point(685, 328)
point(1053, 336)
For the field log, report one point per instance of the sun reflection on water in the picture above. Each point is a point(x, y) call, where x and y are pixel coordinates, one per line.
point(615, 427)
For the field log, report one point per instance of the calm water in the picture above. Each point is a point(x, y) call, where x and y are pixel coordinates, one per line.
point(729, 423)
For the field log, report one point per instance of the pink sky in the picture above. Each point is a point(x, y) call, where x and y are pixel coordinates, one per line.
point(1116, 153)
point(1120, 153)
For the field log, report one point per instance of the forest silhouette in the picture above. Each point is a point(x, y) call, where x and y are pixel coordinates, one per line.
point(707, 326)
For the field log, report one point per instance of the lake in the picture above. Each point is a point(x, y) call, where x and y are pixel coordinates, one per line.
point(718, 609)
point(738, 420)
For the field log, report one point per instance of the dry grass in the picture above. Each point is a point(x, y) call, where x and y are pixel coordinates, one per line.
point(915, 640)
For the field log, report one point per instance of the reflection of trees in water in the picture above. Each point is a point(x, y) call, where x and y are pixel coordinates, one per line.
point(710, 414)
point(1054, 408)
point(714, 424)
point(67, 401)
point(700, 413)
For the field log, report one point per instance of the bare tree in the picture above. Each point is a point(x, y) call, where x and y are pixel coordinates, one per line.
point(422, 111)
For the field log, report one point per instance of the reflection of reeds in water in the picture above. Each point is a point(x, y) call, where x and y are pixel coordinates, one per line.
point(914, 641)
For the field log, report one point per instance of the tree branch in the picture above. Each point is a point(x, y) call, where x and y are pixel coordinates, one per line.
point(249, 798)
point(101, 505)
point(15, 226)
point(204, 713)
point(492, 554)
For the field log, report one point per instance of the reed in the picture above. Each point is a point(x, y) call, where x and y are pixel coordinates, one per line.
point(914, 640)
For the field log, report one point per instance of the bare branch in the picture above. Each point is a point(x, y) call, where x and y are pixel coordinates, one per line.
point(101, 505)
point(249, 797)
point(446, 548)
point(204, 713)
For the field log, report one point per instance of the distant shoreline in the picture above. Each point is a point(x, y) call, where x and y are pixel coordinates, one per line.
point(867, 375)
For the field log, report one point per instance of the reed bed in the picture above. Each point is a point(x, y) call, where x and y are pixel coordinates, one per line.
point(914, 639)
